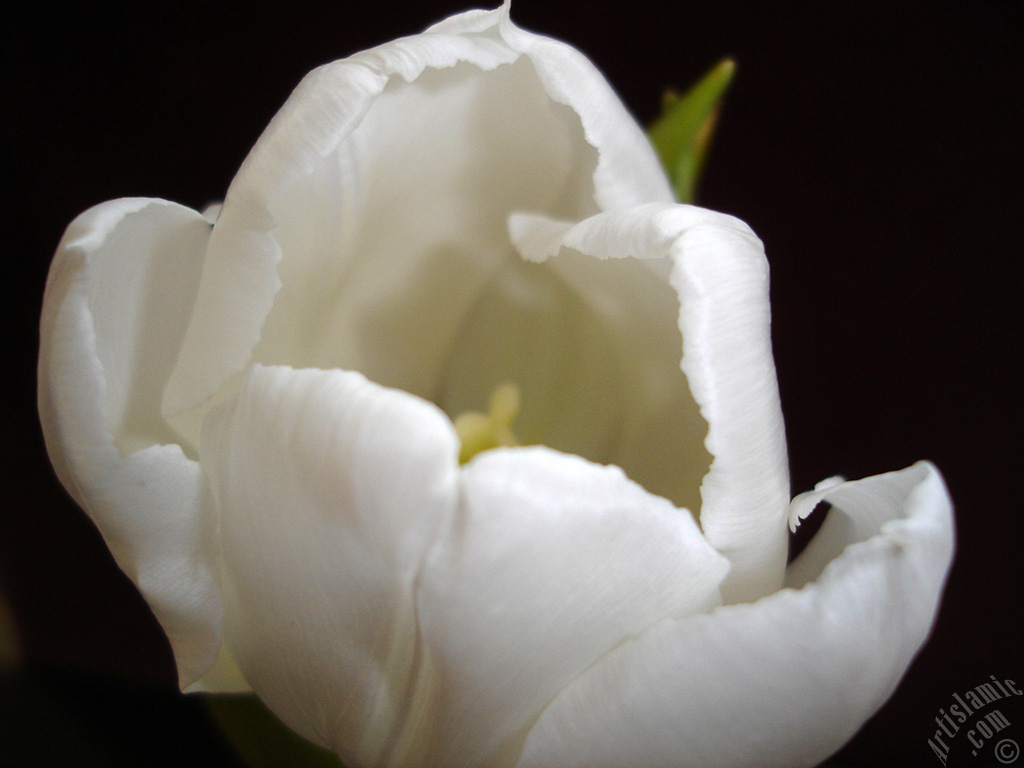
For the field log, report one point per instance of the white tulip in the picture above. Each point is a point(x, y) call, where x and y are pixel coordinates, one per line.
point(257, 412)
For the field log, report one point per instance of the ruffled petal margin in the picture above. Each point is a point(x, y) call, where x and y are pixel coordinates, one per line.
point(551, 562)
point(117, 300)
point(784, 681)
point(720, 275)
point(241, 279)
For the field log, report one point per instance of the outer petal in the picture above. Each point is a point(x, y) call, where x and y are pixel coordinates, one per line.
point(721, 277)
point(781, 682)
point(312, 144)
point(628, 171)
point(330, 489)
point(117, 300)
point(551, 562)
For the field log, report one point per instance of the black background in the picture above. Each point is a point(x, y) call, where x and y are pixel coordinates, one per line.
point(875, 148)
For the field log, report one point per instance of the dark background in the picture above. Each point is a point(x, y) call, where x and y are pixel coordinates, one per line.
point(875, 148)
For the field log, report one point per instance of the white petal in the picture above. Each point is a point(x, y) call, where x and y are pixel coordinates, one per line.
point(304, 144)
point(628, 171)
point(223, 677)
point(397, 162)
point(781, 682)
point(551, 562)
point(330, 488)
point(721, 279)
point(117, 301)
point(594, 348)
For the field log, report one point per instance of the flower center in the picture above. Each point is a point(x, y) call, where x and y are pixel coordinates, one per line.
point(397, 262)
point(482, 431)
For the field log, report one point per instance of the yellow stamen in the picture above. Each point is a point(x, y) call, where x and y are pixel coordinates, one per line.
point(482, 431)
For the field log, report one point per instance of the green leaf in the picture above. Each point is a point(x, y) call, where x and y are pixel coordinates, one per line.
point(682, 135)
point(263, 741)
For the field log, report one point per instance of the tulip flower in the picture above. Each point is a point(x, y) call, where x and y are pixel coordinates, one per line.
point(461, 243)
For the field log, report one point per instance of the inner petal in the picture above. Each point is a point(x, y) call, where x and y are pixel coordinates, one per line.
point(594, 348)
point(391, 238)
point(397, 263)
point(141, 290)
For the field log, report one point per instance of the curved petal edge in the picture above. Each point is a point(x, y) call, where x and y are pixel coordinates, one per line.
point(330, 490)
point(146, 501)
point(720, 276)
point(784, 681)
